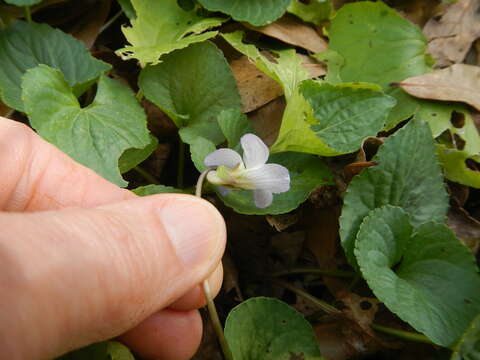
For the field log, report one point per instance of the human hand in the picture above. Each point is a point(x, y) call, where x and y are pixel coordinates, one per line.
point(84, 261)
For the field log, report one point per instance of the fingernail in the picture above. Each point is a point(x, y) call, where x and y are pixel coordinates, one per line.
point(194, 228)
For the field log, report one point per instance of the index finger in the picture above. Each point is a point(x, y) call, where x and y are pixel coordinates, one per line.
point(37, 176)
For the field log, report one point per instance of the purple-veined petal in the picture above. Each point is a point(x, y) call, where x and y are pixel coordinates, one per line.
point(226, 157)
point(255, 152)
point(262, 198)
point(272, 177)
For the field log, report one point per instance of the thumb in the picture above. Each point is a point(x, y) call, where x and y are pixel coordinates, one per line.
point(76, 276)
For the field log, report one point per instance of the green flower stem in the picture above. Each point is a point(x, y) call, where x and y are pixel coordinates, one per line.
point(110, 22)
point(139, 95)
point(149, 177)
point(405, 335)
point(181, 163)
point(335, 273)
point(329, 309)
point(217, 326)
point(28, 14)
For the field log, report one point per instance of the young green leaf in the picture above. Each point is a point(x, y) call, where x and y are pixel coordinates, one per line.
point(255, 12)
point(454, 118)
point(234, 124)
point(295, 133)
point(346, 113)
point(407, 175)
point(469, 346)
point(268, 329)
point(24, 46)
point(316, 11)
point(454, 163)
point(379, 46)
point(199, 149)
point(306, 173)
point(96, 135)
point(161, 27)
point(127, 8)
point(132, 157)
point(425, 275)
point(192, 86)
point(287, 68)
point(23, 2)
point(157, 189)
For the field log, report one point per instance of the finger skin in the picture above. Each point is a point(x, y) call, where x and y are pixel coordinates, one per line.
point(37, 176)
point(194, 298)
point(167, 335)
point(101, 272)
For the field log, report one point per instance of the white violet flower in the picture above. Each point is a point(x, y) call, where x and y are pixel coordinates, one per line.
point(250, 173)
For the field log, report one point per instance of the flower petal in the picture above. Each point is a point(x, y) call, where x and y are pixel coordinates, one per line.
point(262, 198)
point(227, 157)
point(272, 177)
point(255, 152)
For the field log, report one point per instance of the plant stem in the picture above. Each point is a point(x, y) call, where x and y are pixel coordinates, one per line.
point(217, 326)
point(110, 22)
point(336, 273)
point(28, 14)
point(181, 163)
point(406, 335)
point(139, 95)
point(149, 177)
point(320, 303)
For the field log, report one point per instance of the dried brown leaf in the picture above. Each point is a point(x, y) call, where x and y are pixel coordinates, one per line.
point(466, 228)
point(458, 82)
point(283, 221)
point(450, 35)
point(292, 31)
point(88, 28)
point(267, 119)
point(256, 89)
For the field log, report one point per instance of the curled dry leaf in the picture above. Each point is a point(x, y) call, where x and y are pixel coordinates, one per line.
point(294, 32)
point(283, 221)
point(450, 35)
point(89, 26)
point(458, 82)
point(466, 228)
point(256, 89)
point(266, 120)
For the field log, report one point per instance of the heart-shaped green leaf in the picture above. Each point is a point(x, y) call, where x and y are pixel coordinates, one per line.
point(378, 46)
point(268, 329)
point(346, 113)
point(424, 275)
point(162, 27)
point(407, 175)
point(132, 157)
point(255, 12)
point(193, 86)
point(469, 346)
point(96, 135)
point(24, 46)
point(314, 11)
